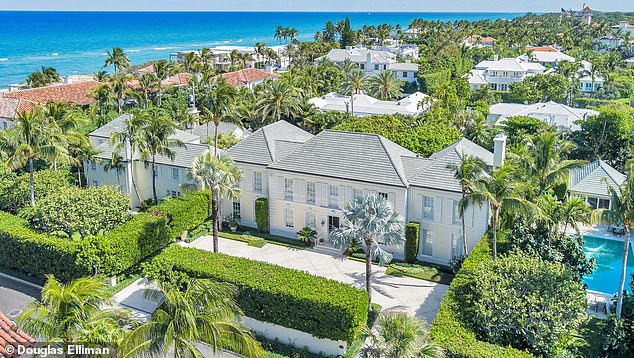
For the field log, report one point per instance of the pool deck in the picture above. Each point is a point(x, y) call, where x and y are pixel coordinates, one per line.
point(599, 231)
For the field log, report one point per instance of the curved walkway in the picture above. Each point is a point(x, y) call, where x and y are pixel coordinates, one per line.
point(417, 297)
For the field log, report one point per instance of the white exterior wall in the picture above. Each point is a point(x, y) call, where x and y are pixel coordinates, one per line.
point(248, 195)
point(409, 76)
point(443, 225)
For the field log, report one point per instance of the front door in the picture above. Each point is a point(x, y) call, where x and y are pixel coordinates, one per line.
point(333, 223)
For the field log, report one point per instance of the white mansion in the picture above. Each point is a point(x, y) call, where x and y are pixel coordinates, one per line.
point(308, 180)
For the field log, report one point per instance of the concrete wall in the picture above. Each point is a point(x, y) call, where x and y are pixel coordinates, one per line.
point(297, 338)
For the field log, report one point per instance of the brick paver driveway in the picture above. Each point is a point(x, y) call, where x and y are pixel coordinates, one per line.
point(417, 297)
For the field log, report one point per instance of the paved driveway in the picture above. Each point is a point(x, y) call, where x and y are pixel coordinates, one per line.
point(15, 295)
point(417, 297)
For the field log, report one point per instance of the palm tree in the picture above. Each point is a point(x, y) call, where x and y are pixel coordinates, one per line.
point(385, 86)
point(468, 173)
point(353, 83)
point(501, 192)
point(149, 83)
point(573, 211)
point(103, 95)
point(76, 312)
point(370, 219)
point(80, 150)
point(347, 65)
point(32, 138)
point(547, 163)
point(204, 311)
point(621, 213)
point(128, 140)
point(119, 83)
point(398, 335)
point(117, 164)
point(218, 174)
point(157, 139)
point(221, 99)
point(277, 101)
point(117, 58)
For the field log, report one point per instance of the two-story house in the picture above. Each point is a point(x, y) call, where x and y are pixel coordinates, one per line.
point(499, 74)
point(309, 180)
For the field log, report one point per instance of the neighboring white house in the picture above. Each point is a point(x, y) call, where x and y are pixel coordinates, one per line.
point(308, 181)
point(587, 83)
point(222, 56)
point(171, 174)
point(591, 182)
point(547, 58)
point(247, 77)
point(373, 61)
point(414, 105)
point(479, 41)
point(404, 50)
point(499, 74)
point(555, 114)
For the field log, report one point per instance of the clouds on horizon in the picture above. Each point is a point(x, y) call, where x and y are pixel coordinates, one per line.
point(324, 5)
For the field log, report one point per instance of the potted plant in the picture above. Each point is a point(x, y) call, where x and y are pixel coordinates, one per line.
point(307, 235)
point(232, 221)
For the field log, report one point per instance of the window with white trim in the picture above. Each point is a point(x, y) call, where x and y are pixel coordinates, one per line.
point(333, 197)
point(456, 212)
point(176, 175)
point(257, 182)
point(289, 218)
point(288, 189)
point(428, 207)
point(383, 195)
point(311, 220)
point(310, 192)
point(427, 242)
point(93, 166)
point(456, 246)
point(358, 194)
point(236, 209)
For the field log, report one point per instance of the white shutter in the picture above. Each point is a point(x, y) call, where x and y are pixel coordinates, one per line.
point(301, 193)
point(438, 209)
point(366, 192)
point(391, 197)
point(318, 189)
point(265, 182)
point(248, 180)
point(418, 206)
point(296, 190)
point(325, 192)
point(342, 199)
point(349, 195)
point(468, 216)
point(280, 187)
point(448, 212)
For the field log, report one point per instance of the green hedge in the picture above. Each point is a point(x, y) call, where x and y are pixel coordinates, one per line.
point(262, 214)
point(270, 293)
point(450, 329)
point(185, 212)
point(110, 253)
point(412, 230)
point(37, 254)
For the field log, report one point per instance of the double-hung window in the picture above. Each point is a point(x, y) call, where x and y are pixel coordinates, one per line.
point(456, 212)
point(428, 207)
point(311, 221)
point(288, 189)
point(289, 215)
point(358, 194)
point(310, 192)
point(236, 209)
point(333, 198)
point(257, 182)
point(175, 174)
point(427, 243)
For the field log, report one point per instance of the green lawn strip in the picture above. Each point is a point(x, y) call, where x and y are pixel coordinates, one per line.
point(353, 348)
point(261, 239)
point(421, 271)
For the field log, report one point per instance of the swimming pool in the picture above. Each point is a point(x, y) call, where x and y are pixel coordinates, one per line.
point(608, 254)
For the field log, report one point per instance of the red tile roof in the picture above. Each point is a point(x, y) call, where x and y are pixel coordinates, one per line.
point(246, 76)
point(587, 9)
point(11, 335)
point(9, 107)
point(474, 39)
point(179, 79)
point(78, 93)
point(543, 49)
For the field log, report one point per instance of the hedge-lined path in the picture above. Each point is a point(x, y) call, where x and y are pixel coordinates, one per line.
point(414, 296)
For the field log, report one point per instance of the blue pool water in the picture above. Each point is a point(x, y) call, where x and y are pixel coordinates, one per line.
point(75, 42)
point(609, 255)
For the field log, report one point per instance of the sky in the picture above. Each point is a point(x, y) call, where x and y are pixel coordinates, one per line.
point(311, 5)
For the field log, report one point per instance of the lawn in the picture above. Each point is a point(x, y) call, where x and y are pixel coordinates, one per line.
point(420, 271)
point(247, 235)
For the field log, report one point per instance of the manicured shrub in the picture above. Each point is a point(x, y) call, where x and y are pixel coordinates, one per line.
point(38, 254)
point(87, 211)
point(412, 230)
point(270, 293)
point(123, 247)
point(262, 214)
point(185, 212)
point(451, 327)
point(14, 189)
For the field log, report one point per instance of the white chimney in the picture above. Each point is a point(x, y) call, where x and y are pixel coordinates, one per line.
point(369, 59)
point(495, 57)
point(499, 150)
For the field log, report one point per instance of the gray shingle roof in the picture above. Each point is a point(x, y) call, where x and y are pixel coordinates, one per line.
point(347, 155)
point(591, 179)
point(434, 172)
point(184, 156)
point(260, 148)
point(224, 128)
point(115, 125)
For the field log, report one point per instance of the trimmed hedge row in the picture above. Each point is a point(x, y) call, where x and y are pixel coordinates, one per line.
point(112, 253)
point(450, 329)
point(38, 254)
point(412, 230)
point(270, 293)
point(262, 214)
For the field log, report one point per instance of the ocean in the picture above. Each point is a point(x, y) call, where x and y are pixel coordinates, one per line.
point(75, 42)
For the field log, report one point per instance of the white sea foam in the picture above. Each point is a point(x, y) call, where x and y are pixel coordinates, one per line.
point(55, 54)
point(161, 48)
point(4, 59)
point(132, 51)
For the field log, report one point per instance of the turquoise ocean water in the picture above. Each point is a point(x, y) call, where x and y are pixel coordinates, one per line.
point(75, 42)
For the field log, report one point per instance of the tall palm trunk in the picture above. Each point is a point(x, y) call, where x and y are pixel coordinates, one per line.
point(154, 180)
point(31, 182)
point(368, 272)
point(216, 141)
point(626, 246)
point(352, 104)
point(78, 176)
point(495, 233)
point(214, 215)
point(464, 230)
